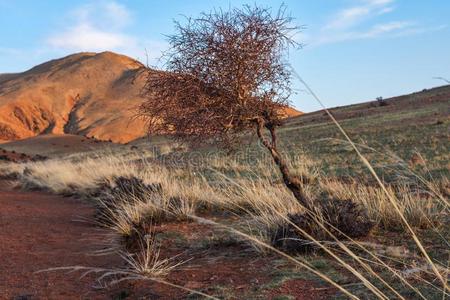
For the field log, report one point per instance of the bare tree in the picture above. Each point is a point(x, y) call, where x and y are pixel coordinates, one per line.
point(226, 73)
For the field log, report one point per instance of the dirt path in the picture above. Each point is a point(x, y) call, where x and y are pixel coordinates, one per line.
point(40, 231)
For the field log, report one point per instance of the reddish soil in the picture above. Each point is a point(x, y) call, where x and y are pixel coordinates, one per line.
point(40, 231)
point(302, 290)
point(222, 267)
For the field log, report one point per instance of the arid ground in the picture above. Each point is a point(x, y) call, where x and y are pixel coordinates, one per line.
point(154, 219)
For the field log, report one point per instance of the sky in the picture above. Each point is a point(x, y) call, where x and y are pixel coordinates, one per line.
point(353, 50)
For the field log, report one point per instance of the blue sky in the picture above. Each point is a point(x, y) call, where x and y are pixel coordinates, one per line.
point(355, 50)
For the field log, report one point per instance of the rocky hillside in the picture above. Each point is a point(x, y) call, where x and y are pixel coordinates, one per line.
point(84, 94)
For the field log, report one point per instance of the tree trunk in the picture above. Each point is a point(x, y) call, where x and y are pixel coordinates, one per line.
point(291, 182)
point(342, 218)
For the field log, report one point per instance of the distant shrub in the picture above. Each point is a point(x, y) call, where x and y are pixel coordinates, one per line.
point(39, 157)
point(381, 101)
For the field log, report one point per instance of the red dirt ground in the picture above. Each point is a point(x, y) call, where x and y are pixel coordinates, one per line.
point(39, 231)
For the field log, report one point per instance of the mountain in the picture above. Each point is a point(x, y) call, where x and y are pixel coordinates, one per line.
point(85, 94)
point(92, 94)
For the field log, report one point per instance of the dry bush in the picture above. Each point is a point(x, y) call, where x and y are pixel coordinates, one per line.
point(131, 207)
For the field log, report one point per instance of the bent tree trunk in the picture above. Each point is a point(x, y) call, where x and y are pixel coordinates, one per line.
point(343, 218)
point(291, 182)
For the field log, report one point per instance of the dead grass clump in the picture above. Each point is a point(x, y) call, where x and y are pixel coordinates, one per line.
point(345, 218)
point(333, 219)
point(130, 207)
point(135, 218)
point(111, 196)
point(144, 262)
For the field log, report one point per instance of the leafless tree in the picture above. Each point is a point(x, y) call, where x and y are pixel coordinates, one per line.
point(226, 74)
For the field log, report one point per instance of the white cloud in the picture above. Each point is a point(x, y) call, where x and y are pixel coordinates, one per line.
point(385, 28)
point(420, 30)
point(379, 2)
point(378, 30)
point(359, 22)
point(350, 16)
point(83, 36)
point(107, 15)
point(102, 26)
point(386, 10)
point(118, 13)
point(347, 17)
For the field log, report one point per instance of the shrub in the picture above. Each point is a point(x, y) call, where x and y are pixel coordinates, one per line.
point(381, 101)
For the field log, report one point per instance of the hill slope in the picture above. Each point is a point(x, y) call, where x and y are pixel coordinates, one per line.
point(93, 94)
point(86, 93)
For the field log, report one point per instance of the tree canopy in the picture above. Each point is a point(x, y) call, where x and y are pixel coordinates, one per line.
point(226, 71)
